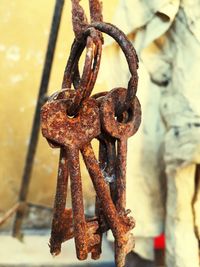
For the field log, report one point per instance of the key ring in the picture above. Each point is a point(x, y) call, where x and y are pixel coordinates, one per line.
point(85, 84)
point(93, 43)
point(129, 53)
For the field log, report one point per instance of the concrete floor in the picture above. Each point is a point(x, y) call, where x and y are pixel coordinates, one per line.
point(34, 251)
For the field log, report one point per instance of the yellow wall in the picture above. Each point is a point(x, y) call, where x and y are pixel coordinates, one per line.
point(24, 31)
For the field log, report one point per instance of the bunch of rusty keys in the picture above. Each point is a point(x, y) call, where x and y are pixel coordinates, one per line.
point(70, 120)
point(75, 134)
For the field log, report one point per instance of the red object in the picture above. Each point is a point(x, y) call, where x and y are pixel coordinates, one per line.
point(159, 242)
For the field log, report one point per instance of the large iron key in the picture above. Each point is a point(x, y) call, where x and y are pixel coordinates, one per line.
point(107, 151)
point(73, 133)
point(120, 224)
point(107, 159)
point(120, 127)
point(60, 214)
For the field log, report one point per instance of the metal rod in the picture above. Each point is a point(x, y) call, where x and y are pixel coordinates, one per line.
point(8, 214)
point(36, 121)
point(16, 207)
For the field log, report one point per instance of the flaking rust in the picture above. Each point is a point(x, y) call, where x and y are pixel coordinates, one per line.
point(70, 120)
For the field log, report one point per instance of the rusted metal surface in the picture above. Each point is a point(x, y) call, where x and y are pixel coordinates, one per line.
point(70, 131)
point(79, 19)
point(120, 128)
point(85, 84)
point(80, 227)
point(129, 53)
point(95, 10)
point(59, 213)
point(73, 134)
point(119, 223)
point(71, 119)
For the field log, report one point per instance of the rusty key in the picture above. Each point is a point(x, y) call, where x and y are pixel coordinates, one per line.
point(107, 160)
point(60, 214)
point(121, 127)
point(107, 150)
point(62, 223)
point(119, 223)
point(73, 134)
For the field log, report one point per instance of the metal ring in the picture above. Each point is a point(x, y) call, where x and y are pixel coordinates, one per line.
point(85, 84)
point(129, 53)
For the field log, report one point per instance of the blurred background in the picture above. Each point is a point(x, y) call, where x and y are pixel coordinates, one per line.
point(164, 156)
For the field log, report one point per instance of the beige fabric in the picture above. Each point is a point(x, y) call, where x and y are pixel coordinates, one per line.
point(182, 245)
point(144, 247)
point(197, 212)
point(166, 35)
point(181, 113)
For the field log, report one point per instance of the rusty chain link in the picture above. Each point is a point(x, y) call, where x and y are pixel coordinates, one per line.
point(71, 119)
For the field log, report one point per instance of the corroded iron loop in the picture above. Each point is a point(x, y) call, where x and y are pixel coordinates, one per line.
point(75, 53)
point(85, 84)
point(70, 73)
point(115, 125)
point(122, 40)
point(129, 53)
